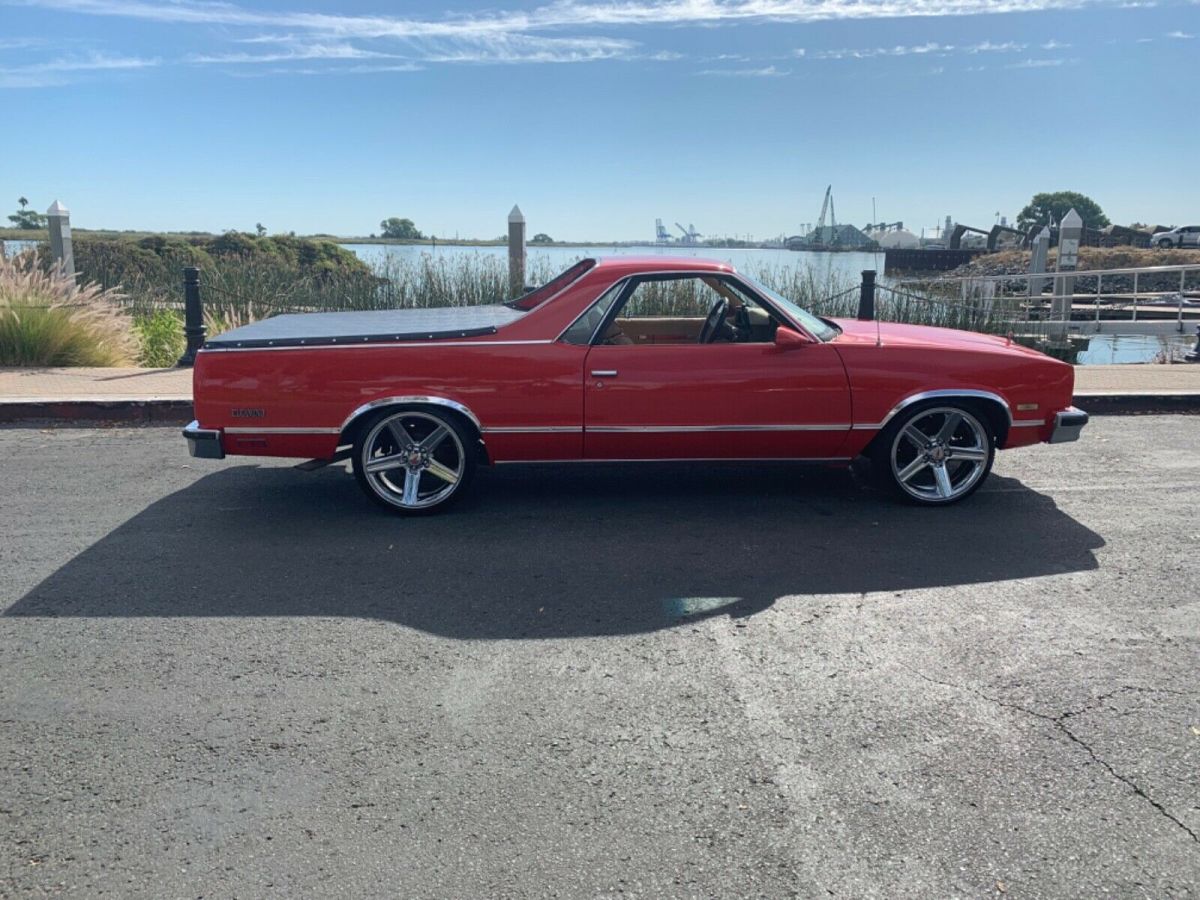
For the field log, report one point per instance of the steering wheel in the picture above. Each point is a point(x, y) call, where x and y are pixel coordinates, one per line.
point(712, 325)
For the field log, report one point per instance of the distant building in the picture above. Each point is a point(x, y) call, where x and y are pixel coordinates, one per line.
point(841, 237)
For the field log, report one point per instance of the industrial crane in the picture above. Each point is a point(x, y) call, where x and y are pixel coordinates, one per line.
point(827, 207)
point(690, 234)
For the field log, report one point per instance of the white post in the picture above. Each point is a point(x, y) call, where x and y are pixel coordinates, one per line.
point(516, 252)
point(60, 237)
point(1070, 230)
point(1037, 262)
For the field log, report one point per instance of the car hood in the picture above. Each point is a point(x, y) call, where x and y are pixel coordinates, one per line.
point(894, 334)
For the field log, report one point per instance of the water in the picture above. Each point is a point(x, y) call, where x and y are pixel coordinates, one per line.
point(843, 266)
point(12, 248)
point(1107, 349)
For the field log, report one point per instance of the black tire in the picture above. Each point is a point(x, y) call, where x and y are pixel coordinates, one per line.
point(894, 453)
point(1165, 245)
point(398, 445)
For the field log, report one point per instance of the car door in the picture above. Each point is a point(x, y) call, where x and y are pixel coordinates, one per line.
point(666, 396)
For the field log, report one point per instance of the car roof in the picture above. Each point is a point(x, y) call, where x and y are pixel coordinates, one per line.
point(629, 265)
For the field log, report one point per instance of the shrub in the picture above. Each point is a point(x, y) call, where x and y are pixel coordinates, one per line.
point(46, 320)
point(161, 338)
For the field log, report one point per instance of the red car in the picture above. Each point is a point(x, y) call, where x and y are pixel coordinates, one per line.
point(624, 359)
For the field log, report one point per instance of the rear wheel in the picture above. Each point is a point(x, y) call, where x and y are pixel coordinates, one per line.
point(1166, 244)
point(936, 455)
point(413, 461)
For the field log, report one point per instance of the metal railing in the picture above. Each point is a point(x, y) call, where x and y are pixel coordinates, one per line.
point(1133, 295)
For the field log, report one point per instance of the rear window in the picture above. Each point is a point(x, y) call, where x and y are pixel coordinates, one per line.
point(551, 287)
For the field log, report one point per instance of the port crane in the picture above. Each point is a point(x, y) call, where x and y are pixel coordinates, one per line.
point(690, 234)
point(661, 235)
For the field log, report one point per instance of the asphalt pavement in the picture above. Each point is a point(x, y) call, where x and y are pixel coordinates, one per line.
point(235, 679)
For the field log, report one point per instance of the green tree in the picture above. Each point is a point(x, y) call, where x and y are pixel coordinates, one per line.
point(22, 202)
point(262, 232)
point(28, 219)
point(1044, 208)
point(541, 238)
point(400, 229)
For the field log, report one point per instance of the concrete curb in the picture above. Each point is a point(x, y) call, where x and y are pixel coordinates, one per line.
point(179, 412)
point(1137, 404)
point(96, 412)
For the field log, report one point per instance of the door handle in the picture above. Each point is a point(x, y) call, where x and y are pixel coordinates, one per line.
point(604, 373)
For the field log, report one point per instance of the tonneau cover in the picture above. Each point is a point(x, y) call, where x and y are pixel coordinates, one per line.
point(375, 326)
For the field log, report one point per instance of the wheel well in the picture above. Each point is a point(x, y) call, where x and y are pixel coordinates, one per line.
point(992, 412)
point(354, 427)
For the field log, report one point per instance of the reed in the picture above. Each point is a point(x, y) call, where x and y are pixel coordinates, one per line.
point(46, 319)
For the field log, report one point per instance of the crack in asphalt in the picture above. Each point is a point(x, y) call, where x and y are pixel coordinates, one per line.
point(1060, 722)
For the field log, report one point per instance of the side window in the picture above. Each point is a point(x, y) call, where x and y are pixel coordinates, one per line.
point(585, 326)
point(680, 310)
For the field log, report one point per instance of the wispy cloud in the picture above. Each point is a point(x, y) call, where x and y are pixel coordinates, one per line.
point(559, 14)
point(1180, 35)
point(928, 49)
point(1041, 63)
point(59, 71)
point(295, 53)
point(558, 31)
point(767, 72)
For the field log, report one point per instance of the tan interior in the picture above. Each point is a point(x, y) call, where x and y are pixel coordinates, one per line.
point(661, 330)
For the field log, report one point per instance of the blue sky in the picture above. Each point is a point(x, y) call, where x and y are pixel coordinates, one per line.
point(597, 116)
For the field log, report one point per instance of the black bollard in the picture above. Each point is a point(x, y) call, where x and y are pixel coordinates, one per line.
point(866, 297)
point(193, 316)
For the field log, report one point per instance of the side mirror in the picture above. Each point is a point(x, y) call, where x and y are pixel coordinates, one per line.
point(787, 339)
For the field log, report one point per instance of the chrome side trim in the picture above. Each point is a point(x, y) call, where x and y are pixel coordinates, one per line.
point(245, 430)
point(677, 459)
point(430, 401)
point(534, 429)
point(872, 426)
point(947, 393)
point(1035, 423)
point(375, 346)
point(667, 429)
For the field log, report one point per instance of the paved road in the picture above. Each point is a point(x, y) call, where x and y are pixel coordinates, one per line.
point(223, 679)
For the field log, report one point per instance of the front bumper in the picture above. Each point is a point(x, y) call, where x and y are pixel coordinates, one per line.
point(1067, 425)
point(204, 443)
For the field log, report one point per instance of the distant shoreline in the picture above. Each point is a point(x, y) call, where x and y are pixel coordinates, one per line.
point(16, 234)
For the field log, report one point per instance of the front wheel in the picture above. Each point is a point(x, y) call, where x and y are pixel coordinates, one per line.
point(1166, 245)
point(935, 455)
point(413, 461)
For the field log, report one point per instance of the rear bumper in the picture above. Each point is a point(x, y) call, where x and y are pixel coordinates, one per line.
point(1067, 425)
point(204, 443)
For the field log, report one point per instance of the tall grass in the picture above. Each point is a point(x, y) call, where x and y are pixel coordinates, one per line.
point(48, 320)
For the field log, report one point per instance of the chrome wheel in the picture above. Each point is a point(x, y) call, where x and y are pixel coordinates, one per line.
point(412, 460)
point(940, 454)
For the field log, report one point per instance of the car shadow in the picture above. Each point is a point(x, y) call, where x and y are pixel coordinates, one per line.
point(551, 551)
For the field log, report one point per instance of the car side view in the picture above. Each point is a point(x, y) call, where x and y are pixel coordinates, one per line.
point(1184, 236)
point(624, 359)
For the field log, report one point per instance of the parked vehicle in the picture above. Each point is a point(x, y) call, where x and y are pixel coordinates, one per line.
point(1184, 236)
point(624, 359)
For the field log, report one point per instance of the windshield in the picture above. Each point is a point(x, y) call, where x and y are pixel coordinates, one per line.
point(818, 328)
point(550, 288)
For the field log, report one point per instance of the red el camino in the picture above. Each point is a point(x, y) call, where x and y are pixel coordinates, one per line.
point(624, 359)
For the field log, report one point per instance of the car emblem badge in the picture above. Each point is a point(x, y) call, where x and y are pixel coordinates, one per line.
point(938, 454)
